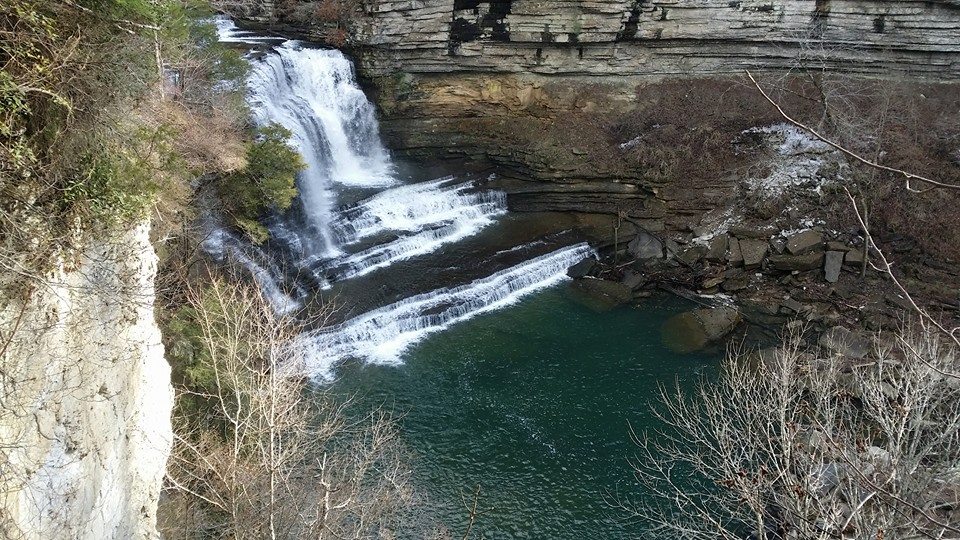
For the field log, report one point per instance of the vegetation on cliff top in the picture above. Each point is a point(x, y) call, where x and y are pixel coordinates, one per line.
point(108, 110)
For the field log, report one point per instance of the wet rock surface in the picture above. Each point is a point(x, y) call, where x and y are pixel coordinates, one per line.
point(601, 294)
point(694, 330)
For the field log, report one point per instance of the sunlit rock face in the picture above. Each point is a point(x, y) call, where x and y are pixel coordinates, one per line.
point(624, 37)
point(87, 398)
point(545, 90)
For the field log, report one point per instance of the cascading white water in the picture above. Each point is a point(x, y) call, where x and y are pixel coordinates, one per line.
point(425, 216)
point(415, 207)
point(313, 93)
point(381, 335)
point(265, 273)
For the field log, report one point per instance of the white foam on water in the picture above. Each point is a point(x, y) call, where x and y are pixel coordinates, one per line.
point(381, 336)
point(406, 247)
point(425, 217)
point(414, 207)
point(521, 247)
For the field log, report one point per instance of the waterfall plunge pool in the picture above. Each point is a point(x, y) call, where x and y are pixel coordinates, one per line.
point(532, 403)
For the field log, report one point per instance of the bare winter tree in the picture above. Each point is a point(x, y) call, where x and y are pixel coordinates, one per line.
point(811, 446)
point(269, 457)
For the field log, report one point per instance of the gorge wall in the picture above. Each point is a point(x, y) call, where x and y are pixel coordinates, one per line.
point(535, 86)
point(560, 95)
point(642, 37)
point(86, 398)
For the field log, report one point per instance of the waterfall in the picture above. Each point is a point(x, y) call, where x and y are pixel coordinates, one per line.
point(415, 207)
point(225, 246)
point(422, 216)
point(381, 335)
point(313, 93)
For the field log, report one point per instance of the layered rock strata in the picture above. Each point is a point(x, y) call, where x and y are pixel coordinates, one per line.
point(621, 37)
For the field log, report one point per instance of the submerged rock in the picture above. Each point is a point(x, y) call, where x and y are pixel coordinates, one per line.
point(602, 295)
point(694, 330)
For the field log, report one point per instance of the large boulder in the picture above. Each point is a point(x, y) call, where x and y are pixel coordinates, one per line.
point(602, 295)
point(646, 246)
point(832, 264)
point(804, 242)
point(634, 280)
point(854, 258)
point(717, 248)
point(753, 252)
point(692, 331)
point(582, 268)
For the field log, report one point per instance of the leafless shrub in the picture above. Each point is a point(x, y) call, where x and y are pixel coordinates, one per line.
point(266, 456)
point(811, 446)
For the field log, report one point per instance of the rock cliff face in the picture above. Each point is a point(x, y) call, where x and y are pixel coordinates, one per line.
point(643, 37)
point(558, 94)
point(492, 80)
point(86, 399)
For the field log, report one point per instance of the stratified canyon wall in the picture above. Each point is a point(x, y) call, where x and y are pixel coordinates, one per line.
point(559, 95)
point(679, 37)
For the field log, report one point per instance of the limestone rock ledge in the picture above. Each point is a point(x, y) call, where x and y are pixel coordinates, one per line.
point(85, 427)
point(659, 37)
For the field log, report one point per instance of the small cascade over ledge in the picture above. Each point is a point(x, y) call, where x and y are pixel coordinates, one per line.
point(382, 335)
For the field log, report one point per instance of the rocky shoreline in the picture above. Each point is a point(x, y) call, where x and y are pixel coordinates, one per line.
point(769, 279)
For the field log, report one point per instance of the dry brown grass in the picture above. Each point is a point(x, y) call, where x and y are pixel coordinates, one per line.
point(209, 141)
point(690, 132)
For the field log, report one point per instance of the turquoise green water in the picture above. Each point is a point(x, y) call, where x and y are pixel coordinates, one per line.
point(532, 403)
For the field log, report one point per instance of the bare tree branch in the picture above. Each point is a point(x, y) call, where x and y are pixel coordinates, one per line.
point(906, 175)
